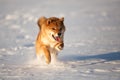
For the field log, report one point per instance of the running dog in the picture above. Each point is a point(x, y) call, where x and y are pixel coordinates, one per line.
point(50, 37)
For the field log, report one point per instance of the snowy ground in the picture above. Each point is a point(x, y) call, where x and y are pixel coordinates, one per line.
point(92, 40)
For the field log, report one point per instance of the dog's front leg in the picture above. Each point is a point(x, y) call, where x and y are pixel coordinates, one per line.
point(46, 54)
point(59, 46)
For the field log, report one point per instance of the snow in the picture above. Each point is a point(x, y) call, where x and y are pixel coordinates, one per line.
point(92, 40)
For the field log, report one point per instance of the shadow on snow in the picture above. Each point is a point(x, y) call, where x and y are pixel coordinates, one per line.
point(108, 57)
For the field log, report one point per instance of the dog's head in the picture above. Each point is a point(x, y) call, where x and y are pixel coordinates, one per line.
point(52, 27)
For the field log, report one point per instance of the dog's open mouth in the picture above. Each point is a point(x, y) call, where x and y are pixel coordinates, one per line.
point(57, 38)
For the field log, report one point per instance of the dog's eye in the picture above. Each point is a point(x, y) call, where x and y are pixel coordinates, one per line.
point(60, 29)
point(53, 29)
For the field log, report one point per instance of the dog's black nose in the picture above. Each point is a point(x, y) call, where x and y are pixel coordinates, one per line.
point(59, 34)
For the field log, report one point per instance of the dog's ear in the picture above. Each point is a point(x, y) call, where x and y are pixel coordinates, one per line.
point(41, 20)
point(62, 19)
point(49, 21)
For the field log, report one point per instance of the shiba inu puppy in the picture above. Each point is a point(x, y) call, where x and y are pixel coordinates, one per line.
point(50, 37)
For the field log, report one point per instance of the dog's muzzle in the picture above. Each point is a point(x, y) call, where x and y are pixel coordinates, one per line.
point(57, 38)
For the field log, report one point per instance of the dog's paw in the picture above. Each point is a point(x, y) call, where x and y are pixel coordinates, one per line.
point(59, 46)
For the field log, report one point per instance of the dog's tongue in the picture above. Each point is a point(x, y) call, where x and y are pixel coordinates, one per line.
point(57, 38)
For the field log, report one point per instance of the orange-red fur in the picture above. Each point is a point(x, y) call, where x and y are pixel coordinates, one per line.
point(50, 37)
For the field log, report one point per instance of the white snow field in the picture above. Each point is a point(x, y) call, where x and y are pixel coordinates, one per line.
point(92, 40)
